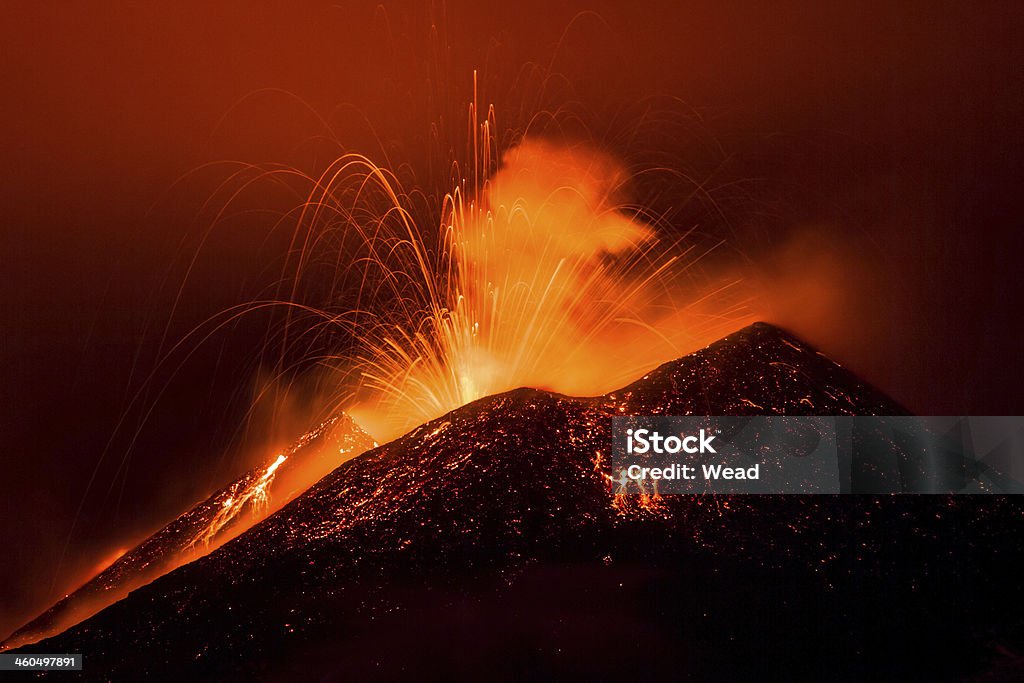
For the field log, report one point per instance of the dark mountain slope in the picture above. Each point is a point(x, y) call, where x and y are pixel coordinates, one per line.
point(487, 545)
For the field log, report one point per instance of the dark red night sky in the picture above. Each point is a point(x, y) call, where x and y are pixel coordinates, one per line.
point(882, 143)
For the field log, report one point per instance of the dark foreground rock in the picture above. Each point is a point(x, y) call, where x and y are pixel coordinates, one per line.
point(487, 545)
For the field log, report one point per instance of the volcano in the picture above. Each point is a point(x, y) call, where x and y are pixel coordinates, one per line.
point(487, 544)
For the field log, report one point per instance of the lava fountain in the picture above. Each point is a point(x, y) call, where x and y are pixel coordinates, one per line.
point(539, 272)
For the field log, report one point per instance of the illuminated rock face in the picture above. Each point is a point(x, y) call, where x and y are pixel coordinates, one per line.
point(487, 544)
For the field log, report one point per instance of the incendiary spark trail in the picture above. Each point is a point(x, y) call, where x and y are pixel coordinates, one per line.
point(538, 273)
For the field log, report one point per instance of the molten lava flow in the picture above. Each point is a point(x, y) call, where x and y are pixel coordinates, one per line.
point(241, 494)
point(206, 526)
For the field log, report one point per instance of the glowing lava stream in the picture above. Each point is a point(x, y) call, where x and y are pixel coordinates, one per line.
point(206, 526)
point(241, 495)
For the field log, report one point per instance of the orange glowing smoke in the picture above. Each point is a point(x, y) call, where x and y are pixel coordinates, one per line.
point(108, 560)
point(552, 281)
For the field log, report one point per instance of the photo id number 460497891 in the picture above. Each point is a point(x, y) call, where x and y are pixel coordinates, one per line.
point(34, 662)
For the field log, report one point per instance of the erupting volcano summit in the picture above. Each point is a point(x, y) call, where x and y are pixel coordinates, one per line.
point(488, 544)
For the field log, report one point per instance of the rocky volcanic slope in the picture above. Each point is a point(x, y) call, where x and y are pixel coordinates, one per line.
point(189, 535)
point(486, 545)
